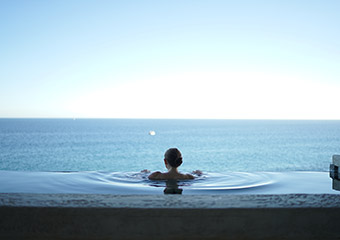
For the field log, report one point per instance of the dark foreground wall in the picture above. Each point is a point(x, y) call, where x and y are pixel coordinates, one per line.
point(34, 216)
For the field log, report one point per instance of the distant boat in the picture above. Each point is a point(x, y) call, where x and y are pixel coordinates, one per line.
point(152, 133)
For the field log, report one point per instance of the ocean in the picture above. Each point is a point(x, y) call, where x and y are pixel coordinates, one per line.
point(126, 145)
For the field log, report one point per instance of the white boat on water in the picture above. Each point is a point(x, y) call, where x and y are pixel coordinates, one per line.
point(152, 133)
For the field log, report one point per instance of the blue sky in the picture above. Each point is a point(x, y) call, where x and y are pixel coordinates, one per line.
point(170, 59)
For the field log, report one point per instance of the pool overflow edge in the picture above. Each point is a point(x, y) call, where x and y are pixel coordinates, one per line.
point(86, 216)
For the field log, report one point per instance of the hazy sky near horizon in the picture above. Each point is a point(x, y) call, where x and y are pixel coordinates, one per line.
point(170, 59)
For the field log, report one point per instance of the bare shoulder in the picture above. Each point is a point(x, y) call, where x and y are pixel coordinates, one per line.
point(189, 176)
point(155, 175)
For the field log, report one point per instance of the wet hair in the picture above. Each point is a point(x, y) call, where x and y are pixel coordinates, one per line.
point(174, 157)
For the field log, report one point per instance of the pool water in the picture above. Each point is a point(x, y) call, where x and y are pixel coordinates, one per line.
point(137, 183)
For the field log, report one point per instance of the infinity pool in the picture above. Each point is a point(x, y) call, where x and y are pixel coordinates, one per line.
point(129, 183)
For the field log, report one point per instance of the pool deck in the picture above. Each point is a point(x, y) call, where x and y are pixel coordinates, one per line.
point(104, 216)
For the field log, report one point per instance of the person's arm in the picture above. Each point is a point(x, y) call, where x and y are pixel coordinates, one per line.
point(197, 172)
point(154, 175)
point(189, 176)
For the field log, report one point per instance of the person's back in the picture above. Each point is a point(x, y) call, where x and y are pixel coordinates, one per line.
point(169, 175)
point(172, 160)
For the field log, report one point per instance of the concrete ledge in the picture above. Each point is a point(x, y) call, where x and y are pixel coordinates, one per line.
point(169, 201)
point(70, 216)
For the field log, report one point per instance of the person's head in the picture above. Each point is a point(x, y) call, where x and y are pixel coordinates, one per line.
point(173, 158)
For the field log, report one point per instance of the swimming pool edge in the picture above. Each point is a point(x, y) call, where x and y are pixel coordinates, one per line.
point(170, 201)
point(91, 216)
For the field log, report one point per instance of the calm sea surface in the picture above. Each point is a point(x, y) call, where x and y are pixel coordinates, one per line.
point(125, 145)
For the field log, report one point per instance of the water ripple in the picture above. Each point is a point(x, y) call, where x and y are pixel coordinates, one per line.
point(208, 181)
point(233, 181)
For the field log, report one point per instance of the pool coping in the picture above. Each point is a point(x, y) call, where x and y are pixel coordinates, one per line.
point(170, 201)
point(105, 216)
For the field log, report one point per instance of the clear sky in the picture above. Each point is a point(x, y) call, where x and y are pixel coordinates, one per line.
point(170, 59)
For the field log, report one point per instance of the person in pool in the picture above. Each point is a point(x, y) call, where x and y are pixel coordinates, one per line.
point(172, 160)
